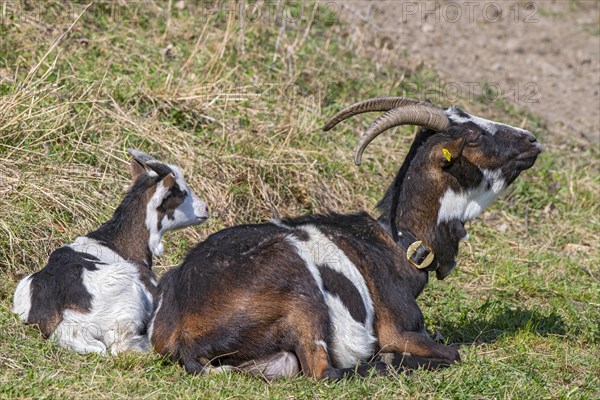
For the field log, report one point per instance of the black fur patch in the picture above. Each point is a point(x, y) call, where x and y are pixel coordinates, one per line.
point(461, 113)
point(338, 285)
point(59, 287)
point(388, 205)
point(466, 173)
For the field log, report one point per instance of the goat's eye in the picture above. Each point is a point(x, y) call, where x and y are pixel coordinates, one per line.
point(474, 139)
point(172, 200)
point(177, 193)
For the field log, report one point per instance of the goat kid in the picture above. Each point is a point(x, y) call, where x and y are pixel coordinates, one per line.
point(325, 293)
point(95, 295)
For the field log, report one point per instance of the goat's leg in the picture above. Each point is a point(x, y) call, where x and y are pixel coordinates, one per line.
point(413, 350)
point(406, 361)
point(75, 337)
point(312, 354)
point(310, 323)
point(312, 351)
point(315, 363)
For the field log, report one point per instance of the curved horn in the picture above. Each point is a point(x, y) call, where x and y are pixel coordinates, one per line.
point(374, 104)
point(422, 114)
point(141, 157)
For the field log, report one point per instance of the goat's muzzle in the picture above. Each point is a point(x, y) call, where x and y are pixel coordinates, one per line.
point(527, 158)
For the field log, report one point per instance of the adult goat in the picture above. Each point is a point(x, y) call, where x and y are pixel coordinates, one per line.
point(325, 293)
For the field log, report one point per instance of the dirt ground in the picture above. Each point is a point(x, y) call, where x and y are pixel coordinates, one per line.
point(541, 55)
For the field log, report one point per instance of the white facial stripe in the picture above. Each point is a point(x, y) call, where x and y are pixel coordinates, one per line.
point(154, 243)
point(485, 124)
point(191, 209)
point(188, 213)
point(464, 206)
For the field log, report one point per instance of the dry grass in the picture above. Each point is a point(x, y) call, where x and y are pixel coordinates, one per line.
point(64, 136)
point(239, 106)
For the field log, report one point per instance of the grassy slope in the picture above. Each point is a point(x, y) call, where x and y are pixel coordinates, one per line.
point(238, 106)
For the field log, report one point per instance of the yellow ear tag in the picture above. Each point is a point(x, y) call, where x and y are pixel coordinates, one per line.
point(447, 154)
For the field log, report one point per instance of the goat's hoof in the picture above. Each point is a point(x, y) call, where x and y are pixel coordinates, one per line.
point(454, 355)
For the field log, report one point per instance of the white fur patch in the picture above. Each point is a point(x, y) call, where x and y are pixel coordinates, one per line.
point(467, 205)
point(352, 341)
point(22, 298)
point(321, 343)
point(485, 124)
point(281, 365)
point(280, 224)
point(84, 244)
point(120, 306)
point(151, 324)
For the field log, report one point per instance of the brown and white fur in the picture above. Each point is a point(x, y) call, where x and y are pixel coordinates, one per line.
point(96, 294)
point(325, 294)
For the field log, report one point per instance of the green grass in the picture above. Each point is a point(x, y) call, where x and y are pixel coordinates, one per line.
point(239, 107)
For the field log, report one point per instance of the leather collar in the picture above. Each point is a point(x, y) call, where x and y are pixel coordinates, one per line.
point(416, 252)
point(419, 255)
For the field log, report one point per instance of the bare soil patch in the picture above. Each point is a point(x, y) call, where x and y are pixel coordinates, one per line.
point(543, 56)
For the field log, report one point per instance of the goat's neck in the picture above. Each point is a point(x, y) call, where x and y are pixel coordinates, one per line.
point(417, 213)
point(126, 233)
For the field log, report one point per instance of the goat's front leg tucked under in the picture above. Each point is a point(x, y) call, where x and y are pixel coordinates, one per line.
point(414, 350)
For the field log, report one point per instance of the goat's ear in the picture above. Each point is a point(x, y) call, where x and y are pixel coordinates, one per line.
point(451, 150)
point(169, 181)
point(137, 169)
